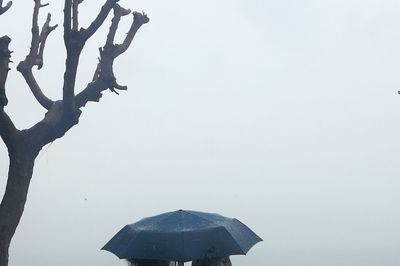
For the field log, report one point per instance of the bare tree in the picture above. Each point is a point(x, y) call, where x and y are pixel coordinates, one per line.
point(61, 115)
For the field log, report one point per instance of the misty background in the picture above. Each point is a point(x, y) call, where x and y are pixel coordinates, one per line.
point(283, 114)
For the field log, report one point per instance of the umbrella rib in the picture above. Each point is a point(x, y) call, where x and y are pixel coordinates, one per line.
point(126, 256)
point(159, 221)
point(183, 246)
point(183, 237)
point(234, 240)
point(197, 215)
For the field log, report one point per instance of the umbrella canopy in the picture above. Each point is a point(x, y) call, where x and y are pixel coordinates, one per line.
point(182, 236)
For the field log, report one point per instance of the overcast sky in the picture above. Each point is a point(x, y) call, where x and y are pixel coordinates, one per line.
point(283, 114)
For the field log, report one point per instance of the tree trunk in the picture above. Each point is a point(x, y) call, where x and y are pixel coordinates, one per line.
point(12, 205)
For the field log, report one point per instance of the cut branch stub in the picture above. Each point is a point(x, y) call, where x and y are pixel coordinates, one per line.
point(5, 55)
point(4, 9)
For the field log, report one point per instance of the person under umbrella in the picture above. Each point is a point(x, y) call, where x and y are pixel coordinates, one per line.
point(221, 261)
point(137, 262)
point(182, 236)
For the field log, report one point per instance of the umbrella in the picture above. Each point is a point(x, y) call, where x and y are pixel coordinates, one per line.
point(182, 236)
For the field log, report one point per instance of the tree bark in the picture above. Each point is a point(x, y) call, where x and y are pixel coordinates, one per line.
point(13, 203)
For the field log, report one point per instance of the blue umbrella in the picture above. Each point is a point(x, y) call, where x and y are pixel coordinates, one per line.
point(182, 236)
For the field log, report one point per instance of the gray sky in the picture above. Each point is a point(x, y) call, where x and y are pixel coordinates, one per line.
point(283, 114)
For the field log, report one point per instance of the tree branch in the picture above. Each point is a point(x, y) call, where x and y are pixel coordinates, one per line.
point(74, 41)
point(8, 132)
point(99, 20)
point(3, 9)
point(118, 13)
point(67, 21)
point(74, 46)
point(35, 56)
point(7, 128)
point(92, 93)
point(138, 20)
point(104, 77)
point(112, 51)
point(71, 67)
point(46, 30)
point(75, 22)
point(5, 55)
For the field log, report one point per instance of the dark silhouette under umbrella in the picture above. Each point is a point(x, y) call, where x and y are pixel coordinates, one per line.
point(182, 236)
